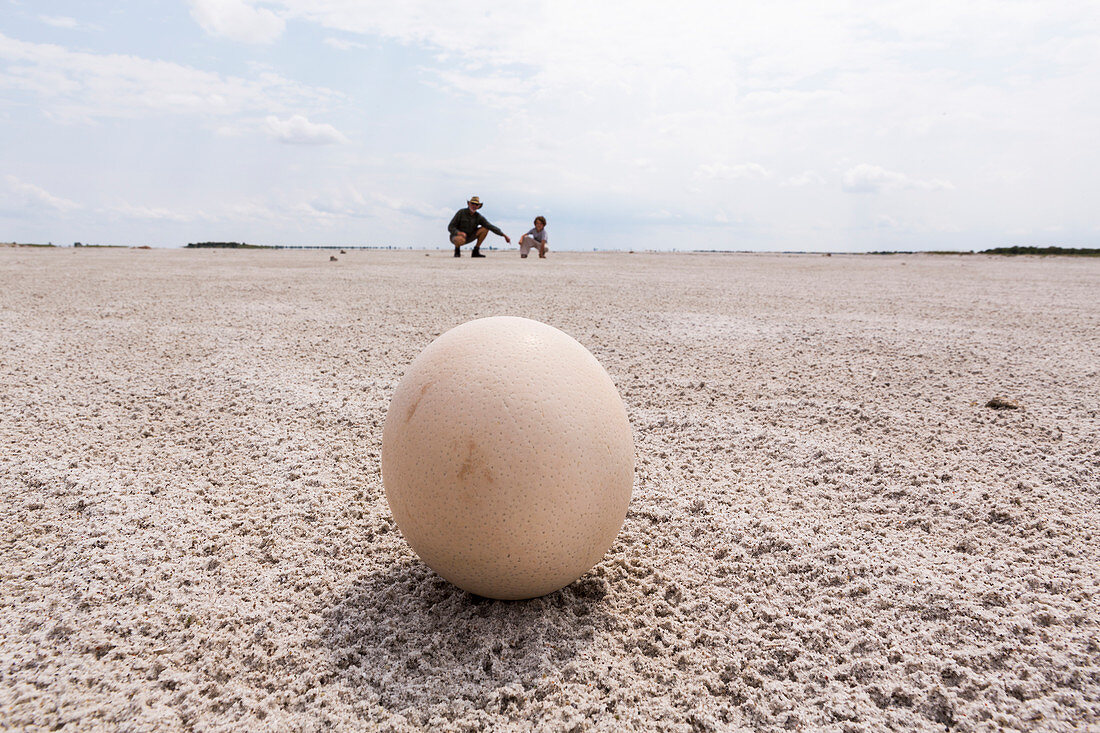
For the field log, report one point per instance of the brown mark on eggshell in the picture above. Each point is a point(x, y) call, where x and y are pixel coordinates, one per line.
point(474, 467)
point(416, 403)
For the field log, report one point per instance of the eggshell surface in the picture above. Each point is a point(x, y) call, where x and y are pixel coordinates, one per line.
point(507, 458)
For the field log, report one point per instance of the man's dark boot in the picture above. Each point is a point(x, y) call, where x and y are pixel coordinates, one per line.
point(458, 251)
point(476, 252)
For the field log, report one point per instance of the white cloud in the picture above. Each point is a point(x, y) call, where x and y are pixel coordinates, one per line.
point(662, 215)
point(499, 89)
point(805, 178)
point(312, 208)
point(79, 85)
point(297, 130)
point(351, 201)
point(865, 178)
point(25, 199)
point(417, 209)
point(58, 21)
point(152, 213)
point(238, 20)
point(344, 45)
point(723, 172)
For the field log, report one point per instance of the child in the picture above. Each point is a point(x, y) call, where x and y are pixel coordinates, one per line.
point(535, 238)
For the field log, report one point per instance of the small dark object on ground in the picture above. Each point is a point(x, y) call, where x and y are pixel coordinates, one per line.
point(343, 252)
point(1000, 403)
point(332, 258)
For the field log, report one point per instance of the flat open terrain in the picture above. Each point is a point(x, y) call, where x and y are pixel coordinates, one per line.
point(830, 529)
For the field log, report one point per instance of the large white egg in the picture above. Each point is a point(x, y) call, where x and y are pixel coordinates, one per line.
point(507, 458)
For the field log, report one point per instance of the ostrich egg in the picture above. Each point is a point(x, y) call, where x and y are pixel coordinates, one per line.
point(507, 458)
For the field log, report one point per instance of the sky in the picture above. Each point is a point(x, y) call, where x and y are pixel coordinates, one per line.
point(794, 126)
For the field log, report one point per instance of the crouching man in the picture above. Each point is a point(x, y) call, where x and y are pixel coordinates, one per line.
point(468, 225)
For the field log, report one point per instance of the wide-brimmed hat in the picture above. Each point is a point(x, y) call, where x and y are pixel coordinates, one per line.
point(475, 201)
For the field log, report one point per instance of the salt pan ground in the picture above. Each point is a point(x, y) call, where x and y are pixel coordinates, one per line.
point(830, 528)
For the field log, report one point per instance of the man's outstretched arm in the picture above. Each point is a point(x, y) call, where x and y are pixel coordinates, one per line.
point(483, 222)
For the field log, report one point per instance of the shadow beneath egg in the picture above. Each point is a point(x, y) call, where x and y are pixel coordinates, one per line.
point(407, 639)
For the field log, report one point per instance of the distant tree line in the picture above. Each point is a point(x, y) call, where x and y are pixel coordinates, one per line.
point(228, 245)
point(1016, 250)
point(1019, 250)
